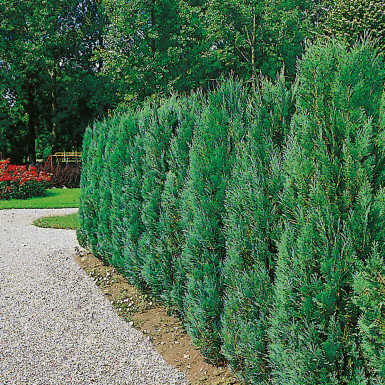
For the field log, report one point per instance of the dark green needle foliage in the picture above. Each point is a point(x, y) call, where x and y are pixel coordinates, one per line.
point(253, 231)
point(369, 291)
point(368, 282)
point(333, 162)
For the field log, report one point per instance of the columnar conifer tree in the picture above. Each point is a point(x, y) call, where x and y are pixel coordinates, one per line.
point(107, 181)
point(333, 162)
point(95, 143)
point(121, 159)
point(221, 124)
point(253, 231)
point(171, 235)
point(156, 141)
point(83, 234)
point(131, 225)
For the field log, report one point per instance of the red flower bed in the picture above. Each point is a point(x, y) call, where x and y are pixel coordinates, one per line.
point(21, 182)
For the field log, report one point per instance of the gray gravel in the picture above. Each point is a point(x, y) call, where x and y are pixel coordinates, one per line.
point(56, 327)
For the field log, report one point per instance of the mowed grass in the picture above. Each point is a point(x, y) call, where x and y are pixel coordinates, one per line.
point(55, 199)
point(59, 222)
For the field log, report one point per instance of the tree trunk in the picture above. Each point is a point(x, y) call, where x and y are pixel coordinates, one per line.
point(100, 110)
point(152, 40)
point(101, 48)
point(53, 75)
point(253, 64)
point(31, 128)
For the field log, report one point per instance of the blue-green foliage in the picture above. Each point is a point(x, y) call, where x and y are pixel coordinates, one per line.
point(171, 227)
point(130, 222)
point(221, 125)
point(122, 145)
point(85, 213)
point(257, 217)
point(156, 142)
point(108, 178)
point(331, 181)
point(93, 151)
point(253, 230)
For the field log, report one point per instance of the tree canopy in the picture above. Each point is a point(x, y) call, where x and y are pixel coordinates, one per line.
point(47, 72)
point(64, 63)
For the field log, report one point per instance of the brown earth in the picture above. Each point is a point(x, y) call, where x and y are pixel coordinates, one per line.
point(164, 331)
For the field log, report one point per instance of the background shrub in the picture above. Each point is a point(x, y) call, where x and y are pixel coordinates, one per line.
point(21, 182)
point(66, 175)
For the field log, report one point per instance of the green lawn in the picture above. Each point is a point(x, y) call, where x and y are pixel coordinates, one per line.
point(55, 199)
point(59, 222)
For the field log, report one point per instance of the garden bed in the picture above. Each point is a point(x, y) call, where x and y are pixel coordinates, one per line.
point(164, 331)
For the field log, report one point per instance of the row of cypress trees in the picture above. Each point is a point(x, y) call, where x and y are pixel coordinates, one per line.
point(258, 219)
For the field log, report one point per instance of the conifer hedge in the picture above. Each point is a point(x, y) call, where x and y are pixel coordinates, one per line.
point(257, 218)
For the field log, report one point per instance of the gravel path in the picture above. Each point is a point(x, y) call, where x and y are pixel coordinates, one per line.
point(56, 327)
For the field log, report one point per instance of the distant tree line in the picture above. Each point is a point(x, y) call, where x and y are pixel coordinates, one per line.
point(65, 63)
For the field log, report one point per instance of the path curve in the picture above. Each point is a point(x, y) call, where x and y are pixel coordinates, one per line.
point(56, 327)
